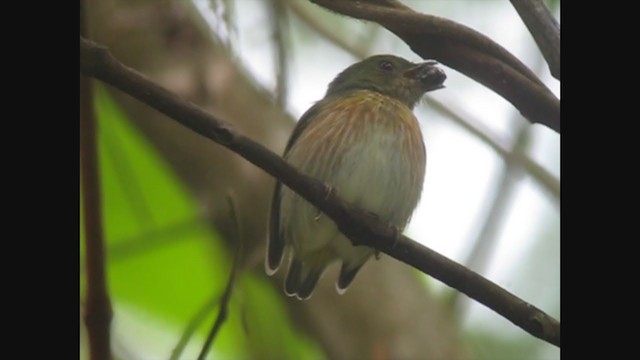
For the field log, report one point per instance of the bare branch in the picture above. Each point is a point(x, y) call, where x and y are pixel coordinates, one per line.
point(223, 313)
point(192, 326)
point(547, 180)
point(463, 49)
point(226, 295)
point(487, 237)
point(355, 223)
point(314, 23)
point(279, 24)
point(544, 28)
point(98, 313)
point(223, 299)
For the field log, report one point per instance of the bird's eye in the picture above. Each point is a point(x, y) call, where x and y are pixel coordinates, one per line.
point(385, 65)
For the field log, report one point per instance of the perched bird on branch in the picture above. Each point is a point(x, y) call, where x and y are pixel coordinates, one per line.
point(363, 141)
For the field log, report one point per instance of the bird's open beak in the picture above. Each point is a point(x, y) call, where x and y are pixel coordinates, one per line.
point(431, 76)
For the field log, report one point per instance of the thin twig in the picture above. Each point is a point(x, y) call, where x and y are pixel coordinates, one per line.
point(505, 188)
point(226, 296)
point(463, 49)
point(280, 24)
point(223, 12)
point(98, 312)
point(193, 325)
point(504, 191)
point(547, 180)
point(544, 28)
point(353, 222)
point(211, 303)
point(314, 23)
point(151, 240)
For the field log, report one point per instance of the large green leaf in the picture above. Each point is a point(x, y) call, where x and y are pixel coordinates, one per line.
point(164, 263)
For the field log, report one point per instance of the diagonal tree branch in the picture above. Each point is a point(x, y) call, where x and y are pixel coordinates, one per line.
point(542, 176)
point(356, 224)
point(544, 28)
point(504, 190)
point(324, 29)
point(463, 49)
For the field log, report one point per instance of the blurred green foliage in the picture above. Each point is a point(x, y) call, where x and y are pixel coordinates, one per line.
point(164, 263)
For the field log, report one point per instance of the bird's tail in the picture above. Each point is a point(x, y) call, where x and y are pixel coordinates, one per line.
point(303, 275)
point(347, 274)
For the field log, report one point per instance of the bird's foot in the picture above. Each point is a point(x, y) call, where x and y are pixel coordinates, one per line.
point(397, 235)
point(328, 192)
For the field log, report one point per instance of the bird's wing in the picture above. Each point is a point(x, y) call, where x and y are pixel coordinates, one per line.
point(276, 244)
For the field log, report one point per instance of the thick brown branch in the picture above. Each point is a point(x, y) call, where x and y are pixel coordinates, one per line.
point(97, 315)
point(544, 28)
point(97, 312)
point(96, 61)
point(463, 49)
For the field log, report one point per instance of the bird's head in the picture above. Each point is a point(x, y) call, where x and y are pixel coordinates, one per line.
point(392, 76)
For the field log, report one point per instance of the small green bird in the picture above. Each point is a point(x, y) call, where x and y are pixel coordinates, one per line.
point(363, 141)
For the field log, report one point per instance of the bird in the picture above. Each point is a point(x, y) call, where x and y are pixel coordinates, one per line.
point(364, 142)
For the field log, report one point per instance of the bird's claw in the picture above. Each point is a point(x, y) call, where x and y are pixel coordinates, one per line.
point(328, 192)
point(396, 235)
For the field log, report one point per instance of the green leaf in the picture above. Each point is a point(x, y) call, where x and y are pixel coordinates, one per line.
point(164, 263)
